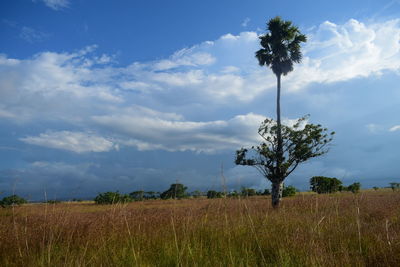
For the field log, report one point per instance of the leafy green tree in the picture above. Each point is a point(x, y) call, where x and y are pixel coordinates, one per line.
point(112, 198)
point(285, 147)
point(289, 191)
point(355, 187)
point(233, 194)
point(280, 50)
point(175, 191)
point(375, 188)
point(266, 192)
point(214, 194)
point(324, 185)
point(12, 200)
point(301, 142)
point(248, 192)
point(137, 195)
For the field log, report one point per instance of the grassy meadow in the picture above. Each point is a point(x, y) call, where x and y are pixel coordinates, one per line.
point(308, 230)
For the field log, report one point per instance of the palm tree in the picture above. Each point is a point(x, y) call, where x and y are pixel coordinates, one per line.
point(281, 49)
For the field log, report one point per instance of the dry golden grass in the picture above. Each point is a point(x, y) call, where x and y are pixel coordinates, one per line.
point(308, 230)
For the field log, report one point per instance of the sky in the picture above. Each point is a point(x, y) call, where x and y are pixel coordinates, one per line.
point(104, 95)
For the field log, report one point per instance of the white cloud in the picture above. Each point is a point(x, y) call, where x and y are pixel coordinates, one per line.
point(148, 129)
point(56, 4)
point(184, 57)
point(395, 128)
point(82, 87)
point(78, 142)
point(55, 84)
point(337, 53)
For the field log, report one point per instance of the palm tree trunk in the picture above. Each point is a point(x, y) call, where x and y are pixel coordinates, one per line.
point(277, 185)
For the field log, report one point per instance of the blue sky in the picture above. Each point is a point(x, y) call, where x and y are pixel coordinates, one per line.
point(130, 95)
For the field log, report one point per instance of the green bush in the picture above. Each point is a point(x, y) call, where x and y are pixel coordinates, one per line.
point(137, 195)
point(175, 191)
point(112, 198)
point(355, 187)
point(289, 191)
point(324, 185)
point(12, 200)
point(248, 192)
point(266, 192)
point(214, 194)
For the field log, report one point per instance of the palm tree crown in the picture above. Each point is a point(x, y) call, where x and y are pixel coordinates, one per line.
point(281, 46)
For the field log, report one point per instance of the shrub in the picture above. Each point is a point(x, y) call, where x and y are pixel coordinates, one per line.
point(323, 185)
point(233, 193)
point(248, 192)
point(12, 200)
point(355, 187)
point(289, 191)
point(137, 195)
point(111, 198)
point(214, 194)
point(266, 192)
point(175, 191)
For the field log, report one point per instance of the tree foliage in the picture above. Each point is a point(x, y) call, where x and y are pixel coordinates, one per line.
point(214, 194)
point(137, 195)
point(280, 50)
point(280, 46)
point(324, 185)
point(289, 191)
point(301, 142)
point(175, 191)
point(248, 192)
point(112, 198)
point(12, 200)
point(354, 187)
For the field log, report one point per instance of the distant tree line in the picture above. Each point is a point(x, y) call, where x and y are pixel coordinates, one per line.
point(326, 185)
point(178, 191)
point(318, 184)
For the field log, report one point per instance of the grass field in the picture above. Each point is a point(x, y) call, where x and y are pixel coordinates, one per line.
point(308, 230)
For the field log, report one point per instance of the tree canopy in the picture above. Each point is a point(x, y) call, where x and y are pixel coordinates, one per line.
point(301, 142)
point(324, 185)
point(175, 191)
point(280, 46)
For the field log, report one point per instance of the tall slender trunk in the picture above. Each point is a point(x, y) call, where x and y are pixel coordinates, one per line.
point(276, 194)
point(277, 185)
point(278, 120)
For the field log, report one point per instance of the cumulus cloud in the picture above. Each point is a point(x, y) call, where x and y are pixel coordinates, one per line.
point(148, 129)
point(337, 53)
point(146, 102)
point(77, 142)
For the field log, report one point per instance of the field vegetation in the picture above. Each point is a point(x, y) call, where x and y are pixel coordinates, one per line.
point(341, 229)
